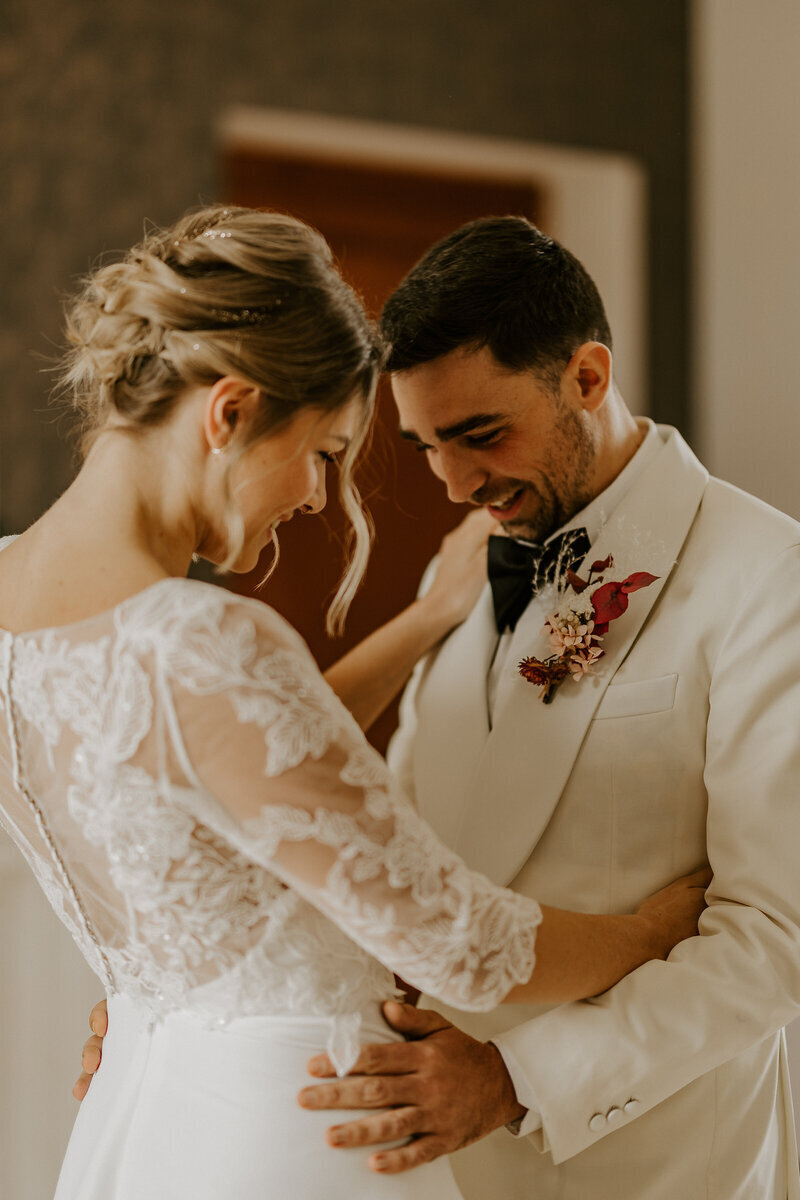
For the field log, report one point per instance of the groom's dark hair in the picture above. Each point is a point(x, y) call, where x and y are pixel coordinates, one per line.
point(499, 283)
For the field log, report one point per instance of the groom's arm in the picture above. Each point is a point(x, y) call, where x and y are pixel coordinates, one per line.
point(444, 1088)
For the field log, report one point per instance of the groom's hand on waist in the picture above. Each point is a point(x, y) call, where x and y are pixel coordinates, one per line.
point(442, 1089)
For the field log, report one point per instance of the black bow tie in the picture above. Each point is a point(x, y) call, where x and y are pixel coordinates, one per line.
point(518, 571)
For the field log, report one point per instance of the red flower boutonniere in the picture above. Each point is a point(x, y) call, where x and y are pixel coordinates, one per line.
point(578, 628)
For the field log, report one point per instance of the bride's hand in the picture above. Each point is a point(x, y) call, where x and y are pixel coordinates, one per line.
point(461, 569)
point(672, 914)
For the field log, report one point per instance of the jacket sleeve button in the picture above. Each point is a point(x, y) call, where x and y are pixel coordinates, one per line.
point(614, 1116)
point(597, 1123)
point(632, 1108)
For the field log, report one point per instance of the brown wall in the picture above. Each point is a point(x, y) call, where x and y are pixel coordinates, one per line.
point(107, 111)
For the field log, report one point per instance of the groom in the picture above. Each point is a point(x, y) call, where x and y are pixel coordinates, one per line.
point(682, 741)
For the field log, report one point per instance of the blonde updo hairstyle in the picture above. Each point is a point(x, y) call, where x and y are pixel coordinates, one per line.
point(227, 291)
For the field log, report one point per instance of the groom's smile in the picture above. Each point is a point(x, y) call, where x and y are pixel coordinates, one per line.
point(499, 438)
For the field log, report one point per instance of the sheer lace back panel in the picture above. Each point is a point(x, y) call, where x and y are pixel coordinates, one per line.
point(210, 824)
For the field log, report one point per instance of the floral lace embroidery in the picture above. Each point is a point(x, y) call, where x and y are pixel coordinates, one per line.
point(199, 899)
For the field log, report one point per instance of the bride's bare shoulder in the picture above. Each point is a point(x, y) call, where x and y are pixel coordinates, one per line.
point(47, 587)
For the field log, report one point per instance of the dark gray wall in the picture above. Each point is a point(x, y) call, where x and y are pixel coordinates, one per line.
point(107, 112)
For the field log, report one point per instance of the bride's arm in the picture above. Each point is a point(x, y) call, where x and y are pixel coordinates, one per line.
point(583, 954)
point(368, 678)
point(579, 955)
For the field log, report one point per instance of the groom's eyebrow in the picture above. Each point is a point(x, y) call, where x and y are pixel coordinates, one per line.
point(448, 433)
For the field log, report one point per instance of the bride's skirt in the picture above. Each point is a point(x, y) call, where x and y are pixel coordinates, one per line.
point(182, 1112)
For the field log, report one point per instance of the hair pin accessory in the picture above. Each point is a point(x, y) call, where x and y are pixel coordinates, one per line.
point(246, 316)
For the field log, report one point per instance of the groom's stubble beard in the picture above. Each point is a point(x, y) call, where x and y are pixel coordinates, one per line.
point(560, 490)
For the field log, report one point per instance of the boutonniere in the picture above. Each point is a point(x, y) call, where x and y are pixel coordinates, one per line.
point(578, 627)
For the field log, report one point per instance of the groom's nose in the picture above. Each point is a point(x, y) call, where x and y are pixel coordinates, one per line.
point(458, 469)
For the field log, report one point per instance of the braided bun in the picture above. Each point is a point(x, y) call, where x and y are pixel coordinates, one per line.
point(224, 291)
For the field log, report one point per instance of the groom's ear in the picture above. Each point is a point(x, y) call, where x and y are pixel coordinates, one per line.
point(588, 375)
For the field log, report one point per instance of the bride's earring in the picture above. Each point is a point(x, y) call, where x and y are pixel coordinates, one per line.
point(219, 449)
point(228, 429)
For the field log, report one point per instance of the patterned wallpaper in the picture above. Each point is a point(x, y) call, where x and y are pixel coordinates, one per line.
point(108, 113)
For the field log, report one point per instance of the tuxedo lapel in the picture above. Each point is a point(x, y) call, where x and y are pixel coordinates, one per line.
point(528, 757)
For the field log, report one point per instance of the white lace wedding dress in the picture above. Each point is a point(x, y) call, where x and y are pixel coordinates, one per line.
point(235, 864)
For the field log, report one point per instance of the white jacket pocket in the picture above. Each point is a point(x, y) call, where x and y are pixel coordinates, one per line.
point(638, 698)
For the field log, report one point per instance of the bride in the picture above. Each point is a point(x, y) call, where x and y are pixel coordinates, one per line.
point(199, 805)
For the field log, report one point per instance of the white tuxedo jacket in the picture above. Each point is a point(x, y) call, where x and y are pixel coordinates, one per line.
point(684, 745)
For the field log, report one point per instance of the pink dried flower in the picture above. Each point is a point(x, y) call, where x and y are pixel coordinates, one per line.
point(569, 631)
point(581, 661)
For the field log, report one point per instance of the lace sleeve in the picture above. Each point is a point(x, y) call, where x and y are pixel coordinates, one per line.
point(283, 772)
